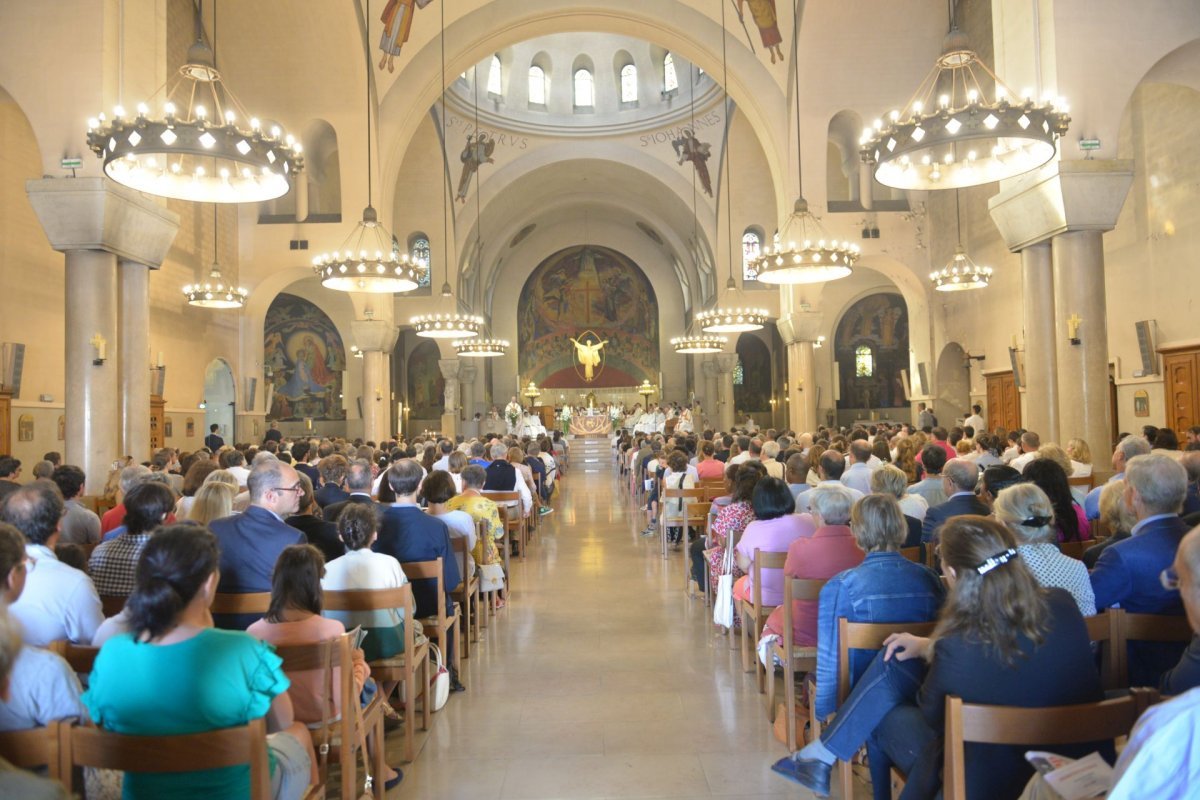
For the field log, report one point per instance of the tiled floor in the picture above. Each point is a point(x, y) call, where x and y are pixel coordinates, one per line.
point(601, 678)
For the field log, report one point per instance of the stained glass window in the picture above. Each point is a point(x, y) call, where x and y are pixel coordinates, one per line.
point(537, 85)
point(418, 251)
point(670, 79)
point(864, 362)
point(751, 247)
point(739, 374)
point(629, 84)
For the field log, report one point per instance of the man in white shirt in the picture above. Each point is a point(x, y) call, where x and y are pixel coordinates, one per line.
point(766, 452)
point(976, 421)
point(59, 602)
point(858, 474)
point(237, 467)
point(445, 448)
point(831, 467)
point(1030, 442)
point(743, 443)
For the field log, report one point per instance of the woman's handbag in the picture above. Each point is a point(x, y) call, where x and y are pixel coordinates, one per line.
point(491, 577)
point(439, 685)
point(723, 604)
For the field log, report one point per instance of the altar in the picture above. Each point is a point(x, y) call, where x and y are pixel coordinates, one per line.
point(585, 424)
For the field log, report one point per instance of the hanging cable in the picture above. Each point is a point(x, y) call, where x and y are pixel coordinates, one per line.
point(367, 56)
point(731, 284)
point(446, 291)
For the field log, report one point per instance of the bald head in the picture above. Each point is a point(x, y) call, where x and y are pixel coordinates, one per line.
point(1187, 567)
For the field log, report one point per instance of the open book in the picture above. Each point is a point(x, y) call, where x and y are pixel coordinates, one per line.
point(1073, 779)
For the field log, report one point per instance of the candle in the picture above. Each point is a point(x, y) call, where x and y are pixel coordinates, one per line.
point(160, 358)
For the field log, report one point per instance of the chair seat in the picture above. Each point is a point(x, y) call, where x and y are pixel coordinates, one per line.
point(398, 661)
point(797, 651)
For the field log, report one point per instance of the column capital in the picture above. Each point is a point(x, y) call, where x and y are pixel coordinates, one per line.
point(100, 214)
point(710, 367)
point(467, 373)
point(450, 368)
point(374, 335)
point(802, 326)
point(725, 362)
point(1064, 196)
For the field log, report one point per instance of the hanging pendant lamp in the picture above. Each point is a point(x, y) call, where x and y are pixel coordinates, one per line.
point(214, 293)
point(961, 273)
point(368, 260)
point(208, 149)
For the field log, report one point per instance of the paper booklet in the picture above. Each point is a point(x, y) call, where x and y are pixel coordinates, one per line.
point(1073, 779)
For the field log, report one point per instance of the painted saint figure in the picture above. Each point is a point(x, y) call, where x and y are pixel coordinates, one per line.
point(589, 356)
point(478, 150)
point(767, 21)
point(397, 21)
point(689, 148)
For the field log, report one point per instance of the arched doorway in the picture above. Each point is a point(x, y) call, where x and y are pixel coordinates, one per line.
point(752, 379)
point(220, 399)
point(953, 387)
point(871, 350)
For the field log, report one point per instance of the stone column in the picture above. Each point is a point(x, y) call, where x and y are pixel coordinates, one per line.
point(1079, 309)
point(466, 376)
point(134, 324)
point(450, 368)
point(725, 363)
point(711, 393)
point(1041, 361)
point(802, 387)
point(375, 338)
point(95, 221)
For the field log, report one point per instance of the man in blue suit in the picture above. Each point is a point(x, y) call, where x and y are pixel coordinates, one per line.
point(333, 475)
point(409, 534)
point(959, 477)
point(252, 541)
point(1127, 574)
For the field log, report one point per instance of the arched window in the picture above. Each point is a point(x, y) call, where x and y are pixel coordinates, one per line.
point(751, 247)
point(739, 374)
point(585, 94)
point(670, 79)
point(629, 84)
point(495, 85)
point(537, 86)
point(864, 362)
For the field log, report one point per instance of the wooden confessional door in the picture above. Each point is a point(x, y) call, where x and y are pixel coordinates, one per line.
point(1181, 369)
point(1003, 401)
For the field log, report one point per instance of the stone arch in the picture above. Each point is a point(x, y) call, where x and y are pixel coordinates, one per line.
point(220, 399)
point(871, 347)
point(425, 385)
point(842, 164)
point(953, 395)
point(752, 389)
point(322, 169)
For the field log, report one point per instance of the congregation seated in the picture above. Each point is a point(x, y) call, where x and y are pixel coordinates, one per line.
point(1127, 574)
point(831, 465)
point(931, 486)
point(795, 469)
point(1030, 517)
point(958, 480)
point(250, 542)
point(728, 525)
point(113, 563)
point(677, 475)
point(708, 468)
point(130, 476)
point(1191, 503)
point(438, 489)
point(358, 478)
point(1049, 476)
point(773, 530)
point(889, 480)
point(1127, 449)
point(1117, 517)
point(485, 554)
point(212, 501)
point(502, 477)
point(80, 525)
point(311, 520)
point(193, 479)
point(41, 687)
point(1001, 639)
point(858, 470)
point(59, 601)
point(332, 469)
point(174, 673)
point(885, 587)
point(829, 548)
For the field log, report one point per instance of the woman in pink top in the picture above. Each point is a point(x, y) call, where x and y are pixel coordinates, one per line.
point(830, 550)
point(775, 528)
point(294, 617)
point(708, 468)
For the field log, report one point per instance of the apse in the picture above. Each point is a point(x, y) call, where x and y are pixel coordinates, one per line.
point(871, 349)
point(591, 294)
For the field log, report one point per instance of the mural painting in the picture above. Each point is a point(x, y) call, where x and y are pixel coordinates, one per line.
point(304, 361)
point(426, 386)
point(592, 289)
point(871, 349)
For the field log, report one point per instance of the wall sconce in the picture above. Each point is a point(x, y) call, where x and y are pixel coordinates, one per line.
point(100, 345)
point(1073, 324)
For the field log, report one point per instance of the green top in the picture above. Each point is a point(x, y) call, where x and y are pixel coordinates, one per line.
point(217, 679)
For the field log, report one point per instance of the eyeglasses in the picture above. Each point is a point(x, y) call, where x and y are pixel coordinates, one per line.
point(1169, 579)
point(298, 488)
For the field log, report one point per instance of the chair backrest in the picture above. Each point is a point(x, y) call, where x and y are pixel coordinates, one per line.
point(1088, 481)
point(868, 636)
point(421, 570)
point(1074, 549)
point(87, 746)
point(375, 600)
point(692, 494)
point(764, 559)
point(1106, 630)
point(797, 589)
point(331, 659)
point(244, 603)
point(713, 490)
point(112, 604)
point(1154, 628)
point(459, 545)
point(35, 748)
point(79, 657)
point(697, 513)
point(1042, 727)
point(502, 497)
point(913, 554)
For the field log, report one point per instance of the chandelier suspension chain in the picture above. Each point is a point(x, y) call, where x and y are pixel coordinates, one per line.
point(727, 154)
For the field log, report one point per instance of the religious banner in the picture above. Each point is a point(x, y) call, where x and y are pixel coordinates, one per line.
point(587, 305)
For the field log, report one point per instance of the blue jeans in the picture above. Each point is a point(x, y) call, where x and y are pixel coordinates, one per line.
point(881, 713)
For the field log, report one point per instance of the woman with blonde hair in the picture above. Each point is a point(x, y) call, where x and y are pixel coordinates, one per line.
point(1028, 514)
point(1118, 519)
point(212, 501)
point(241, 498)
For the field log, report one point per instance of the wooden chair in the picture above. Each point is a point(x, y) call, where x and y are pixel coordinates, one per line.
point(243, 603)
point(1074, 549)
point(793, 657)
point(1106, 630)
point(665, 520)
point(1040, 727)
point(467, 593)
point(330, 658)
point(695, 518)
point(440, 626)
point(1088, 482)
point(112, 604)
point(862, 636)
point(86, 746)
point(410, 669)
point(1147, 628)
point(913, 554)
point(713, 489)
point(514, 522)
point(754, 614)
point(36, 748)
point(81, 658)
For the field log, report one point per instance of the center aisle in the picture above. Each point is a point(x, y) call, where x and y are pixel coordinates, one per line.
point(601, 678)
